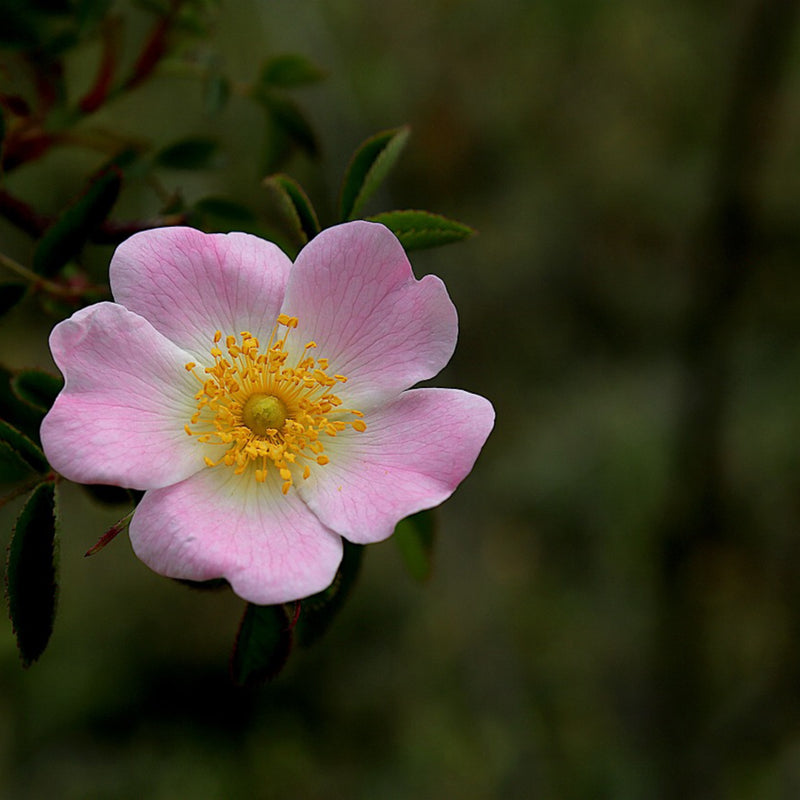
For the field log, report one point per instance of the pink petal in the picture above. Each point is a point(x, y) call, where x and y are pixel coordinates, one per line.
point(269, 547)
point(355, 295)
point(120, 417)
point(412, 456)
point(190, 284)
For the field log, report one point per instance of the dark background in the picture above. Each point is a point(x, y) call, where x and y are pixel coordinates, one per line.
point(614, 610)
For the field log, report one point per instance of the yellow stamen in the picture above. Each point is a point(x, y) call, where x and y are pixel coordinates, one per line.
point(272, 416)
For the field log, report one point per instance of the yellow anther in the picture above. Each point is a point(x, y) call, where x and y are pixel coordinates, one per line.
point(266, 412)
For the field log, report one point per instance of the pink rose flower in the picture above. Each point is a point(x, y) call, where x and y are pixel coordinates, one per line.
point(264, 406)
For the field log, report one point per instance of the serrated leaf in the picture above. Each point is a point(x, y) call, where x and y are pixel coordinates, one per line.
point(289, 71)
point(262, 645)
point(414, 537)
point(67, 235)
point(418, 230)
point(10, 294)
point(318, 611)
point(30, 452)
point(31, 573)
point(295, 204)
point(38, 389)
point(194, 152)
point(368, 168)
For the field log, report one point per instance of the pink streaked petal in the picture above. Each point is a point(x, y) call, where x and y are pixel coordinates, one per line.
point(127, 396)
point(269, 547)
point(355, 295)
point(190, 284)
point(414, 453)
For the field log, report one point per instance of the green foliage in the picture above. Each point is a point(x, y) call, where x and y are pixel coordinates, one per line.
point(37, 388)
point(221, 214)
point(31, 573)
point(414, 536)
point(294, 203)
point(17, 412)
point(64, 239)
point(419, 230)
point(290, 71)
point(290, 122)
point(318, 611)
point(262, 645)
point(27, 450)
point(368, 168)
point(13, 467)
point(193, 152)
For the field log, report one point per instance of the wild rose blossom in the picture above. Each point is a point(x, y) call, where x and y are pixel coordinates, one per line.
point(264, 406)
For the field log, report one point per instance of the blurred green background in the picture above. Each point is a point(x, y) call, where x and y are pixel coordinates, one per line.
point(614, 610)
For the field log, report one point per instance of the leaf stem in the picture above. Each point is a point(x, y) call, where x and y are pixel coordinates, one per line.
point(38, 282)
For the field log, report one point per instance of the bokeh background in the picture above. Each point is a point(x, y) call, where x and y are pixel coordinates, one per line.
point(614, 610)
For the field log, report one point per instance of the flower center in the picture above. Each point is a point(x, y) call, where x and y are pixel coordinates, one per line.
point(263, 413)
point(273, 417)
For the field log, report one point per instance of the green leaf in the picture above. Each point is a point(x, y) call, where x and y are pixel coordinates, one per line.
point(30, 453)
point(194, 152)
point(294, 202)
point(368, 168)
point(31, 573)
point(222, 214)
point(262, 645)
point(318, 611)
point(414, 536)
point(289, 120)
point(65, 237)
point(10, 294)
point(37, 388)
point(418, 230)
point(289, 71)
point(13, 467)
point(15, 411)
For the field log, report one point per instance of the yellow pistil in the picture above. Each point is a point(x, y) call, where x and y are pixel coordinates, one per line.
point(272, 416)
